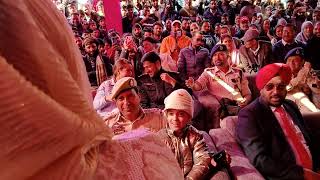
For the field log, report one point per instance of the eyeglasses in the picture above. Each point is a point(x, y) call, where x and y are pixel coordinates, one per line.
point(279, 87)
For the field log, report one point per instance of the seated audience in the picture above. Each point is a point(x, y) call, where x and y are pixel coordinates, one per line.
point(156, 84)
point(226, 87)
point(193, 59)
point(306, 32)
point(281, 48)
point(254, 54)
point(185, 141)
point(98, 66)
point(298, 88)
point(272, 131)
point(130, 114)
point(173, 43)
point(233, 52)
point(101, 103)
point(312, 47)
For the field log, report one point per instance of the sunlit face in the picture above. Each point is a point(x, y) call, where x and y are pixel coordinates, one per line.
point(128, 103)
point(219, 59)
point(125, 71)
point(295, 63)
point(151, 68)
point(308, 31)
point(274, 92)
point(90, 48)
point(228, 42)
point(177, 119)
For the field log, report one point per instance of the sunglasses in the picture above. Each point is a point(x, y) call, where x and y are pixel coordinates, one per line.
point(279, 87)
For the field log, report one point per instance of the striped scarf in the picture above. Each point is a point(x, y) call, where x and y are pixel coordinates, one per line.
point(101, 71)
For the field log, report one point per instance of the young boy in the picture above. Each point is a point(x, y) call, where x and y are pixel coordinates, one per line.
point(185, 141)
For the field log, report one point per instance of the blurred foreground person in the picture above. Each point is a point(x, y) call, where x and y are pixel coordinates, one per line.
point(49, 129)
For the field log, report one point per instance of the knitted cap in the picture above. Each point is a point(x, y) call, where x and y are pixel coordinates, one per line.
point(181, 100)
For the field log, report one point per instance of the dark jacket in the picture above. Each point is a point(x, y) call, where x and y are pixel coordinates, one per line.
point(213, 18)
point(191, 63)
point(312, 52)
point(279, 51)
point(251, 62)
point(265, 143)
point(154, 90)
point(90, 63)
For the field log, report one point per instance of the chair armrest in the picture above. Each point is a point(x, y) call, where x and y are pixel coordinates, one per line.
point(240, 165)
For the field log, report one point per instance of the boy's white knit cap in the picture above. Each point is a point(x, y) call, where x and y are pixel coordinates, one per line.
point(181, 100)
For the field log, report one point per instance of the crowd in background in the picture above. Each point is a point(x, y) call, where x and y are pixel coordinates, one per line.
point(167, 45)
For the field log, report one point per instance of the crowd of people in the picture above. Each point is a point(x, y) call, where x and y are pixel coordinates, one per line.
point(178, 66)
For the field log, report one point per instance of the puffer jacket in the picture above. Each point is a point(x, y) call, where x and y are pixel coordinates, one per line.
point(190, 151)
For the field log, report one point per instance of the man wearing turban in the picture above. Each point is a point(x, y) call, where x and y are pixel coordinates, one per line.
point(272, 132)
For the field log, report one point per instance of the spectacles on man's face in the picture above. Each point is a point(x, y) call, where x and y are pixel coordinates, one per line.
point(279, 87)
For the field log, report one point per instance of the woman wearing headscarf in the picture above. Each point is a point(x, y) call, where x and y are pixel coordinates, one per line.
point(306, 32)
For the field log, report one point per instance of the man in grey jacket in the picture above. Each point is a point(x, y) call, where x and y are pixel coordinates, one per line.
point(254, 54)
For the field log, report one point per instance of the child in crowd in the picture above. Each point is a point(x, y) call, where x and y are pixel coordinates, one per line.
point(185, 141)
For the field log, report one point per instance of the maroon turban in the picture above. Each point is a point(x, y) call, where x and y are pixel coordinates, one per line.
point(270, 71)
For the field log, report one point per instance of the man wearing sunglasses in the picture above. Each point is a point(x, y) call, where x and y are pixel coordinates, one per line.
point(272, 132)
